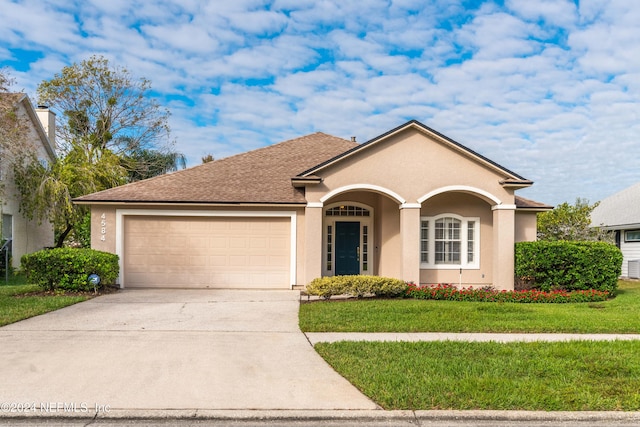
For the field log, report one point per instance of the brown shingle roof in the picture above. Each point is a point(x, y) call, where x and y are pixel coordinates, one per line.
point(258, 176)
point(522, 203)
point(12, 97)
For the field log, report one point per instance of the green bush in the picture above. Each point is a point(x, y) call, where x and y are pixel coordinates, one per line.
point(563, 265)
point(69, 269)
point(451, 293)
point(357, 286)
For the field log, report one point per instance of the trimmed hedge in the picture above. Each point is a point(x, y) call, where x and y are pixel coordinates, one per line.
point(563, 265)
point(357, 286)
point(69, 269)
point(451, 293)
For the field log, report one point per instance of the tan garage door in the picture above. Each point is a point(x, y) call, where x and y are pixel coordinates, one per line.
point(206, 252)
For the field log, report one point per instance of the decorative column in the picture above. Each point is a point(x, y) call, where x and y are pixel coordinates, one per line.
point(312, 242)
point(410, 236)
point(503, 246)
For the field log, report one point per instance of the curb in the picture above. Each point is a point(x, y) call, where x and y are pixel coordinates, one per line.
point(331, 337)
point(334, 415)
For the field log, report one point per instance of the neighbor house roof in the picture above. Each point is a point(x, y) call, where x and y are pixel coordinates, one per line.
point(620, 210)
point(258, 176)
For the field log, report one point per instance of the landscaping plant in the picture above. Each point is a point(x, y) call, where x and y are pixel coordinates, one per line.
point(69, 269)
point(451, 293)
point(568, 265)
point(356, 286)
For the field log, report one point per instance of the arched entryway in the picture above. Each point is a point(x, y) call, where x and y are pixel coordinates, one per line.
point(348, 229)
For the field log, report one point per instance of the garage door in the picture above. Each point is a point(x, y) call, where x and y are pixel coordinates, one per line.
point(206, 252)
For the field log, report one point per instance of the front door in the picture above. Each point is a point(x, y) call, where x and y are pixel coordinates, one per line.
point(347, 248)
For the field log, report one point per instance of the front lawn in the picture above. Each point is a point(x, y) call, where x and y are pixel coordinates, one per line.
point(19, 300)
point(560, 376)
point(618, 315)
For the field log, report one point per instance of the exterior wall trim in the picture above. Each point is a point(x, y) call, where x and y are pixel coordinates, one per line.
point(462, 188)
point(503, 207)
point(292, 215)
point(371, 187)
point(315, 204)
point(410, 206)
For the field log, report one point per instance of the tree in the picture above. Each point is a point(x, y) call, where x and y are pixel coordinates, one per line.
point(6, 81)
point(107, 120)
point(570, 222)
point(207, 158)
point(145, 164)
point(104, 107)
point(47, 190)
point(15, 146)
point(12, 127)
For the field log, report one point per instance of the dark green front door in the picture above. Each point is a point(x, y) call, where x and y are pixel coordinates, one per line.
point(347, 248)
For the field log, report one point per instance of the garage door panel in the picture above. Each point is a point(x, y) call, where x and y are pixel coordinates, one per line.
point(198, 242)
point(207, 252)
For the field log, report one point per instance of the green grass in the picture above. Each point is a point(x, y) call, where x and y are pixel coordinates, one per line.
point(566, 376)
point(16, 304)
point(618, 315)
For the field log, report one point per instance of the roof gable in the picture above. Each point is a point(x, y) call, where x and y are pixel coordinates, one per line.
point(511, 178)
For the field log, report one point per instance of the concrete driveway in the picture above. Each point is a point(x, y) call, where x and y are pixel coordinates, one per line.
point(172, 349)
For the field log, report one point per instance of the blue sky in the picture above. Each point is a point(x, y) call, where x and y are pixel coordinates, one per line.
point(547, 88)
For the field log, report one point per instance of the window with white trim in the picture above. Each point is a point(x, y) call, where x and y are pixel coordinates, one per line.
point(449, 241)
point(632, 236)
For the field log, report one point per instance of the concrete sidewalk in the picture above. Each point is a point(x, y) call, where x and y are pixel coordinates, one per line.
point(316, 337)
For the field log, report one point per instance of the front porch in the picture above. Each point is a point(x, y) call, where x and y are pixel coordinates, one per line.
point(452, 236)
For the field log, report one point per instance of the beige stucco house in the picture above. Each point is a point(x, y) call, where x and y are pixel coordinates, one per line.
point(411, 204)
point(39, 123)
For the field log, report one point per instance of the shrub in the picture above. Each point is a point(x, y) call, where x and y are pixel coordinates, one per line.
point(451, 293)
point(568, 265)
point(356, 285)
point(326, 287)
point(69, 269)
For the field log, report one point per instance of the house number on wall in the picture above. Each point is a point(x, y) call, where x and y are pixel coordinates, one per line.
point(103, 227)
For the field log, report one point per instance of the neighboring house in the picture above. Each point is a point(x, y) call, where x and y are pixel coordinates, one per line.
point(621, 214)
point(411, 204)
point(27, 236)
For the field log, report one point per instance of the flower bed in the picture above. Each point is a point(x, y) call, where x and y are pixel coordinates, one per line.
point(451, 293)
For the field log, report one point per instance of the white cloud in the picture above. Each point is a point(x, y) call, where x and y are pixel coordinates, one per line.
point(547, 88)
point(561, 13)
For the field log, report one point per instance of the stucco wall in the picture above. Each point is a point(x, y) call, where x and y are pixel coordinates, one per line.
point(410, 165)
point(526, 226)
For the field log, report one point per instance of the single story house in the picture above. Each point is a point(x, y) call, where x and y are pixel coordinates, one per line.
point(411, 204)
point(39, 126)
point(620, 213)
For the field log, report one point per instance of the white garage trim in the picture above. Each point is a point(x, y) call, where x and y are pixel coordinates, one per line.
point(121, 213)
